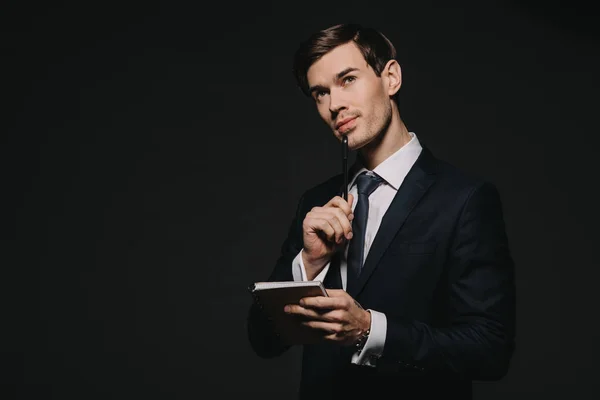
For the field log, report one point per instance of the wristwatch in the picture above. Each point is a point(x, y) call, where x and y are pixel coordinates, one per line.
point(362, 339)
point(360, 343)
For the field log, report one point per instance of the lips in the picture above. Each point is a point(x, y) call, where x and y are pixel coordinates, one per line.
point(345, 124)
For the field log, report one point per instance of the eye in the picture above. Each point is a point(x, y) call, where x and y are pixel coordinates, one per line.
point(348, 79)
point(319, 94)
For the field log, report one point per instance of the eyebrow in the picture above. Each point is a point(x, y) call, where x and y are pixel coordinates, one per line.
point(338, 76)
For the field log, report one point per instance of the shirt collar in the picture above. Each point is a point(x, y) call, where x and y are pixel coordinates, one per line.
point(394, 168)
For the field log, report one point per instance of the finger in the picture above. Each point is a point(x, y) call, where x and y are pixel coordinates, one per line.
point(333, 328)
point(339, 316)
point(344, 222)
point(342, 225)
point(306, 313)
point(337, 220)
point(319, 222)
point(337, 293)
point(344, 300)
point(350, 199)
point(340, 203)
point(323, 302)
point(340, 233)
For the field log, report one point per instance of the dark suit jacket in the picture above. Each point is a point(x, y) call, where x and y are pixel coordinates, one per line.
point(441, 271)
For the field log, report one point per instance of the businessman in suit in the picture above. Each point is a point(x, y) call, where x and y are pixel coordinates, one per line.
point(416, 262)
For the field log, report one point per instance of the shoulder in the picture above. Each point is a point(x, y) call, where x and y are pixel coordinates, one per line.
point(457, 179)
point(459, 184)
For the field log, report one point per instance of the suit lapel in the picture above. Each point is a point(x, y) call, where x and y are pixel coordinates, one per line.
point(415, 185)
point(333, 278)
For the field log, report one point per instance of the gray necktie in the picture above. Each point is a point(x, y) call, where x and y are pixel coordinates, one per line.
point(366, 184)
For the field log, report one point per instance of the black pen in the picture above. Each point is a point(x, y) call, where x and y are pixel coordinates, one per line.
point(345, 165)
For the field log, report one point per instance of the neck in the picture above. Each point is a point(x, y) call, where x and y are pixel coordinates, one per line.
point(390, 140)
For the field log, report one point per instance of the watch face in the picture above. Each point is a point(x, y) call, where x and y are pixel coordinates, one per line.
point(362, 339)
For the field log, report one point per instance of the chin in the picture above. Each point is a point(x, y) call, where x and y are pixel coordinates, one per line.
point(355, 142)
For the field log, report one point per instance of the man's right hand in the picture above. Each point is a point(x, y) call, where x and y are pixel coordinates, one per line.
point(325, 230)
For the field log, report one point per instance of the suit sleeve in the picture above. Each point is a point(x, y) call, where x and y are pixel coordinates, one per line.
point(478, 340)
point(263, 339)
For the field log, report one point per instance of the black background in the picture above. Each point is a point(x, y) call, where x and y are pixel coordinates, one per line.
point(153, 154)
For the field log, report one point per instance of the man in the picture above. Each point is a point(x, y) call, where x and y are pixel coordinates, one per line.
point(420, 280)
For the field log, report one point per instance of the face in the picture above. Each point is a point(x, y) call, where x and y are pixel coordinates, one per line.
point(350, 97)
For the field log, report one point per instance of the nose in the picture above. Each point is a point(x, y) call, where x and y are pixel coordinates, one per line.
point(337, 102)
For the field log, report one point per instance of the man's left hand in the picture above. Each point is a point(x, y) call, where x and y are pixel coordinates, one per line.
point(339, 317)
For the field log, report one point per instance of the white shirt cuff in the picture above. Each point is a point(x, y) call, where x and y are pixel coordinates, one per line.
point(374, 346)
point(299, 272)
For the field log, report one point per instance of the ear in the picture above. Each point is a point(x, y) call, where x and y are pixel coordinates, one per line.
point(393, 77)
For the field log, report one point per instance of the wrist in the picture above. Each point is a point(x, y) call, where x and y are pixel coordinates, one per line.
point(312, 266)
point(364, 334)
point(367, 324)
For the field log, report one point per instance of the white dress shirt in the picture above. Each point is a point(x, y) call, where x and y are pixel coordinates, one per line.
point(393, 170)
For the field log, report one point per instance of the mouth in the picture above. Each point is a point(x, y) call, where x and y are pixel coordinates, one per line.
point(345, 125)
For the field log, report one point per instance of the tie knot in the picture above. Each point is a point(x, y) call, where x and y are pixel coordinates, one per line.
point(367, 183)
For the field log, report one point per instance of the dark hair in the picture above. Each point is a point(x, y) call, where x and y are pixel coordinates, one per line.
point(374, 46)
